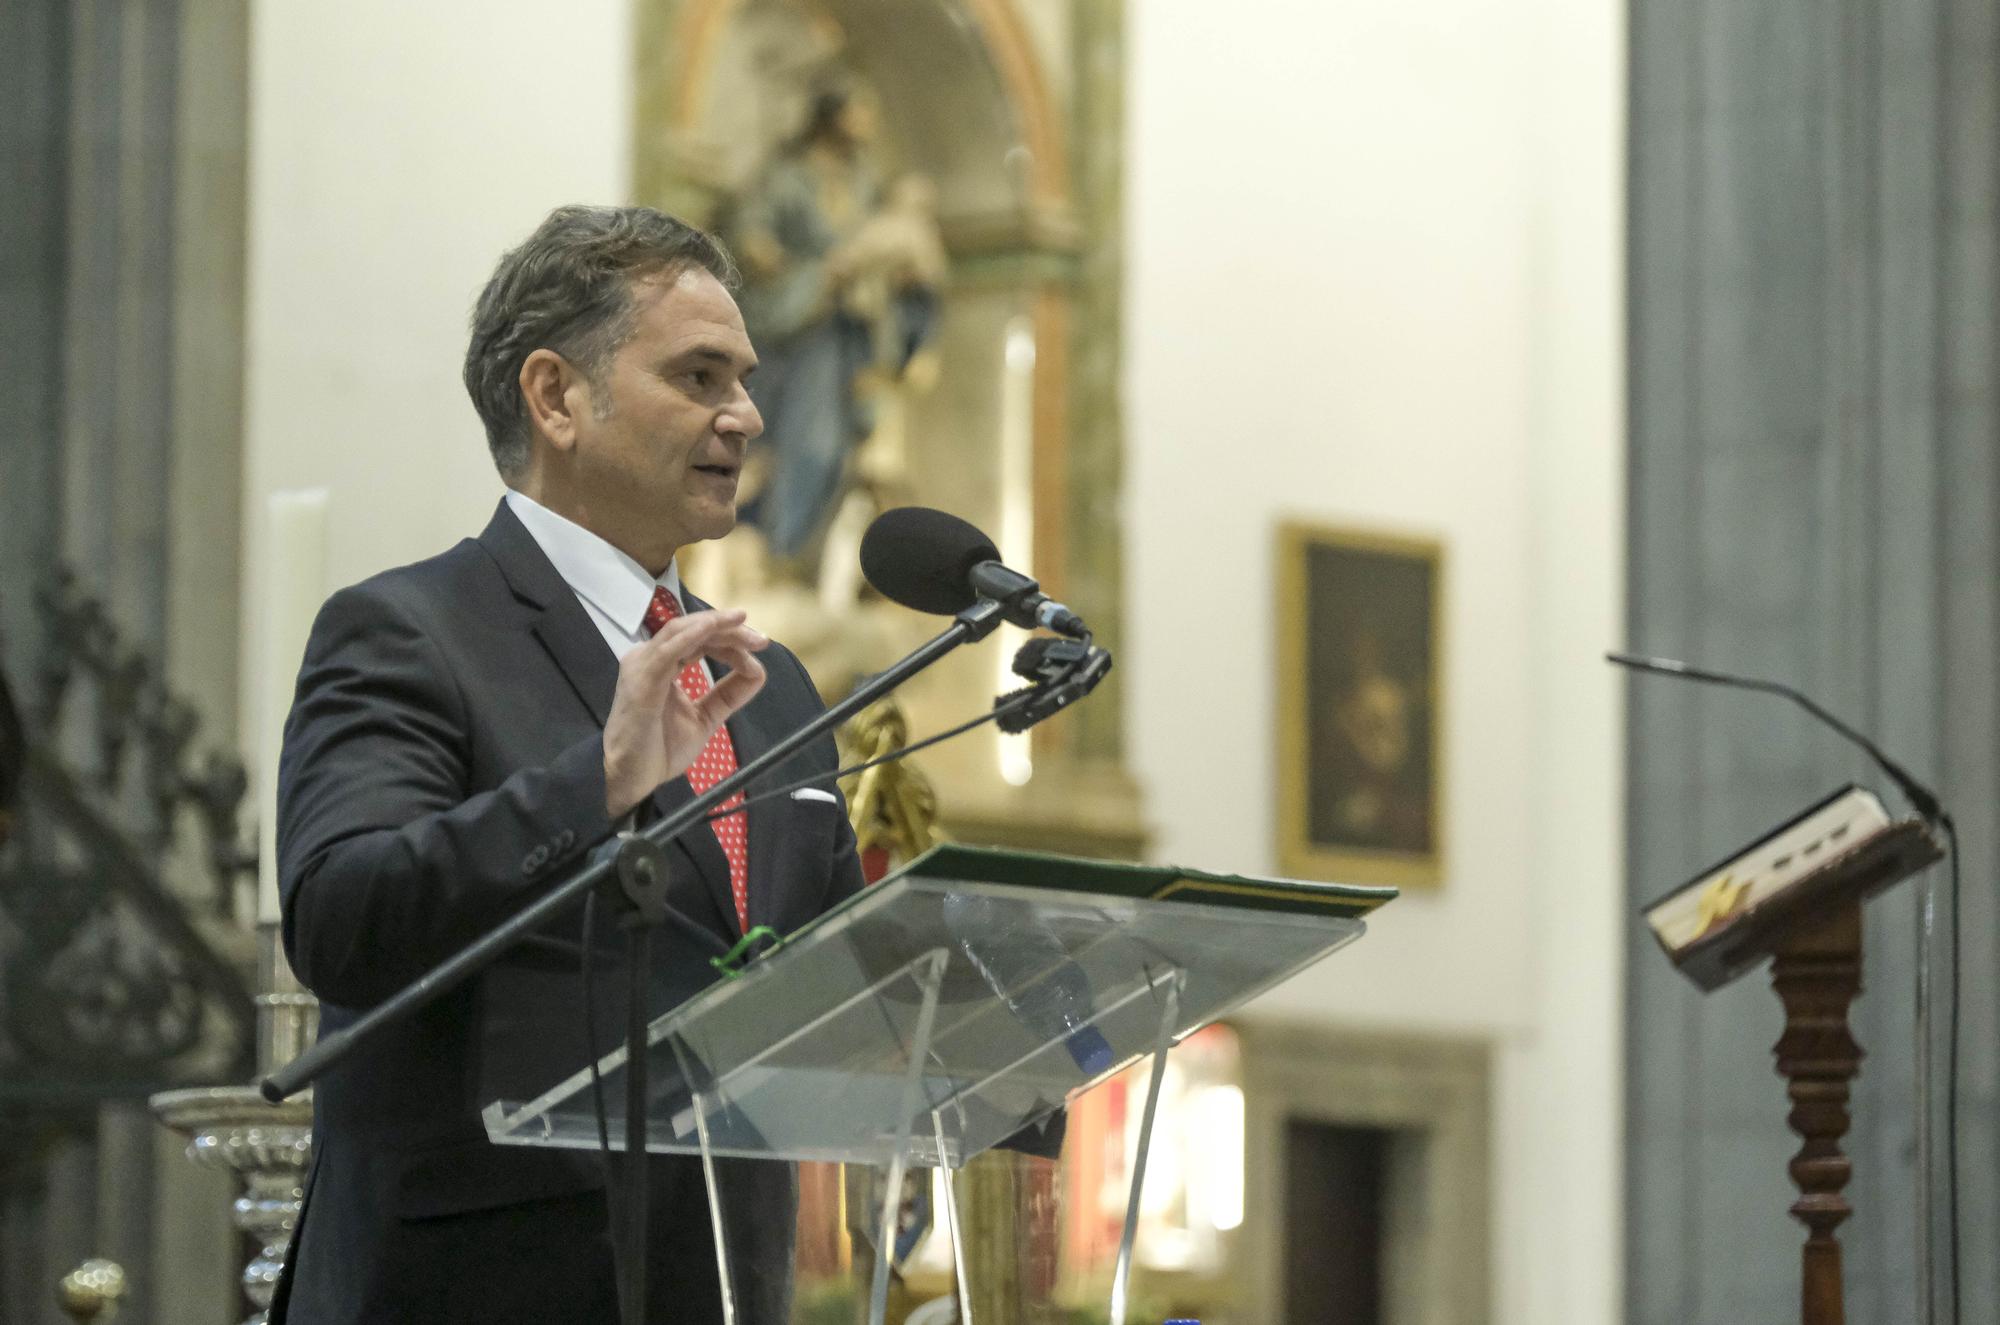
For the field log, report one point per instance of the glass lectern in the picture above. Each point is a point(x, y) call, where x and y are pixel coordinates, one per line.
point(947, 1008)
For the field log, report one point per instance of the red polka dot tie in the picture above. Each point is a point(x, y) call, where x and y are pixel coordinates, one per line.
point(716, 762)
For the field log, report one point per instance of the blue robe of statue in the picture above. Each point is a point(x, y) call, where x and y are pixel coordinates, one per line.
point(810, 350)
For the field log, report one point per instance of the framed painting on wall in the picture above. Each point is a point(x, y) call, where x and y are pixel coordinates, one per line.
point(1359, 706)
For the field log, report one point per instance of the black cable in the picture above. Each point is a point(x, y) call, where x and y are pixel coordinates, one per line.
point(1923, 798)
point(590, 1037)
point(611, 1216)
point(1017, 701)
point(1928, 805)
point(598, 1105)
point(1951, 1073)
point(636, 1196)
point(590, 899)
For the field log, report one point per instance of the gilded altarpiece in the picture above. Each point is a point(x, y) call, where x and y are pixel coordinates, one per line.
point(1009, 111)
point(994, 128)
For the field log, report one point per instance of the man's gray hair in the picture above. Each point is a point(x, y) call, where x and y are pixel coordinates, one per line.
point(568, 288)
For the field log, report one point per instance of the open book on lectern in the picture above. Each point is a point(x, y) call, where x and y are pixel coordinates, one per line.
point(1724, 920)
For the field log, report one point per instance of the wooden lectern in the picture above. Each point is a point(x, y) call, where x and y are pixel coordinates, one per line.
point(1811, 931)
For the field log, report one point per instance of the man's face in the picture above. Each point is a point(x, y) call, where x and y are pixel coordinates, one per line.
point(660, 451)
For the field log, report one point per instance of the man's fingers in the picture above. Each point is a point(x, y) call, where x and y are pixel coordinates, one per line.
point(741, 662)
point(730, 648)
point(732, 692)
point(654, 664)
point(650, 674)
point(685, 636)
point(747, 673)
point(660, 659)
point(736, 639)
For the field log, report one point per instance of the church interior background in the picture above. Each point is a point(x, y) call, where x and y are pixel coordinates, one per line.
point(1655, 324)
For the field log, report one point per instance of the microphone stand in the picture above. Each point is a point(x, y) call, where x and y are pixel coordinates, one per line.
point(1926, 803)
point(637, 860)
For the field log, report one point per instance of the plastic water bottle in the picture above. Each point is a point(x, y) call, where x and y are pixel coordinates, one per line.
point(1031, 971)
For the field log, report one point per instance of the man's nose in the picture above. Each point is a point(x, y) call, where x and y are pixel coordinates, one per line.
point(742, 416)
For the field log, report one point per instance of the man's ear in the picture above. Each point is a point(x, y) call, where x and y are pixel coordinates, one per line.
point(553, 393)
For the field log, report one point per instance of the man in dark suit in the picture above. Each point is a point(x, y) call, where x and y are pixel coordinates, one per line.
point(466, 728)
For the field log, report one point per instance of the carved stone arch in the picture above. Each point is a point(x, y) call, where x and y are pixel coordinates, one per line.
point(945, 90)
point(973, 60)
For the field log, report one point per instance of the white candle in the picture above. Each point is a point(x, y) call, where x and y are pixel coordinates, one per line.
point(294, 588)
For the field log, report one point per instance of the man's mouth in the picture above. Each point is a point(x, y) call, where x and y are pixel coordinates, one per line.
point(719, 471)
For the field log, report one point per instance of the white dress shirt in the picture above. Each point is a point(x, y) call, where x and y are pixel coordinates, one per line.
point(614, 589)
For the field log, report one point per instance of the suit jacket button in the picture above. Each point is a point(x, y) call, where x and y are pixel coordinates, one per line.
point(566, 840)
point(536, 859)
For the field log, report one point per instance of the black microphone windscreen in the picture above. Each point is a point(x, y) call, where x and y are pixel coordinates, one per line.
point(923, 558)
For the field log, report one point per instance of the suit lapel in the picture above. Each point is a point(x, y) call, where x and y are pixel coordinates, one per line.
point(558, 622)
point(753, 737)
point(702, 849)
point(562, 627)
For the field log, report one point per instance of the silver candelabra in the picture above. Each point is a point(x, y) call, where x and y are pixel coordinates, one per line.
point(267, 1146)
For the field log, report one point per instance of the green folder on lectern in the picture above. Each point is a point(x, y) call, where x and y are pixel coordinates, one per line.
point(951, 1005)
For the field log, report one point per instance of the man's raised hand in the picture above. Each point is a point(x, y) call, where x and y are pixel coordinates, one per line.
point(655, 732)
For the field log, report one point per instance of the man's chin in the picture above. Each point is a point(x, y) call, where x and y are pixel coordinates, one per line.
point(714, 525)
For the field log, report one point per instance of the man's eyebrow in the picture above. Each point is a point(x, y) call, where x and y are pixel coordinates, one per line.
point(714, 354)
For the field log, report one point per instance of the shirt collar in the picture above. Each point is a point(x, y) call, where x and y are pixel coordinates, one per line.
point(599, 573)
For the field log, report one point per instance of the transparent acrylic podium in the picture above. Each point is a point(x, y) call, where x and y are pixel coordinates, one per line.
point(945, 1009)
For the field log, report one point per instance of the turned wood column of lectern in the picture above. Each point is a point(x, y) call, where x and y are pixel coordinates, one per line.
point(1812, 935)
point(1817, 972)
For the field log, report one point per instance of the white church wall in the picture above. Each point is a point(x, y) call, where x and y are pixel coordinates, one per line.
point(395, 151)
point(1374, 278)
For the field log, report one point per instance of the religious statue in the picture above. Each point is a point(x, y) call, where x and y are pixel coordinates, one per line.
point(842, 274)
point(893, 805)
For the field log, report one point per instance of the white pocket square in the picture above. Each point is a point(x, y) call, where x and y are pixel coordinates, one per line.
point(815, 794)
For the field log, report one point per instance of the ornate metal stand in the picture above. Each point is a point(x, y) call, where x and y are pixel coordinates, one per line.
point(91, 1291)
point(128, 969)
point(267, 1146)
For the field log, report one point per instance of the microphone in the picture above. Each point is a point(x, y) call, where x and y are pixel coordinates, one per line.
point(1920, 796)
point(933, 561)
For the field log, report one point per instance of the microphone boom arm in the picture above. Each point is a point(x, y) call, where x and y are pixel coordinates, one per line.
point(1921, 797)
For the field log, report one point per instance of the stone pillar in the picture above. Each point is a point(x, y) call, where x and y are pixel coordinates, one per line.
point(1814, 496)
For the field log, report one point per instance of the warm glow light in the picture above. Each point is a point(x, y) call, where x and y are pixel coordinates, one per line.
point(933, 1254)
point(1215, 1178)
point(1017, 514)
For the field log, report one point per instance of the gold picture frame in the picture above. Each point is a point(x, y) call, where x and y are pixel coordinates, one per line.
point(1360, 705)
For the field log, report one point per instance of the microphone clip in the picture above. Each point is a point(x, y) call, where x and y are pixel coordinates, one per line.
point(1061, 671)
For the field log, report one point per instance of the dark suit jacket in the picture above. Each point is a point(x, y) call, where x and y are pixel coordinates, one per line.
point(443, 765)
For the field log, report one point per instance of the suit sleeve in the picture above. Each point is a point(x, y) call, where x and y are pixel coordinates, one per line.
point(388, 862)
